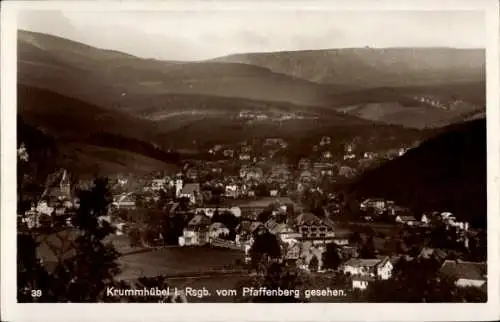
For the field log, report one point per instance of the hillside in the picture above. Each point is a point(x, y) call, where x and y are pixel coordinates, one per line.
point(83, 159)
point(108, 78)
point(445, 173)
point(374, 67)
point(86, 138)
point(66, 117)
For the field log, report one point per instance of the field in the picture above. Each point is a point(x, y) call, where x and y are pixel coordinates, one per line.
point(177, 260)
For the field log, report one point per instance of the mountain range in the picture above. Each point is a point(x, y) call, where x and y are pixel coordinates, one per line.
point(396, 80)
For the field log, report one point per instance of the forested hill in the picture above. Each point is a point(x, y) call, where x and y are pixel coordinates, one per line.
point(445, 173)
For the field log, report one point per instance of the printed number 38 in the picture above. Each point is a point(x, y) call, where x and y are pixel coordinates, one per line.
point(36, 293)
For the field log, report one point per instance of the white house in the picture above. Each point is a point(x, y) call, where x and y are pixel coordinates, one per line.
point(43, 208)
point(196, 232)
point(124, 201)
point(381, 268)
point(361, 282)
point(425, 219)
point(231, 191)
point(273, 193)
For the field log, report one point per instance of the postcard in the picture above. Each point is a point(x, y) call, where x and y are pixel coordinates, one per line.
point(253, 160)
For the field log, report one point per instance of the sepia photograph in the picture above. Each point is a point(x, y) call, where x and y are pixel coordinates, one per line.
point(251, 155)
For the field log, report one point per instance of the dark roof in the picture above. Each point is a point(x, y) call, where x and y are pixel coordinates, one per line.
point(407, 218)
point(427, 252)
point(199, 220)
point(466, 270)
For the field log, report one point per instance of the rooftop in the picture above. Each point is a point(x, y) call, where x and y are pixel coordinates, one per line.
point(361, 262)
point(465, 270)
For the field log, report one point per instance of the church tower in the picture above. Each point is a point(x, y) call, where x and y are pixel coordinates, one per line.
point(65, 185)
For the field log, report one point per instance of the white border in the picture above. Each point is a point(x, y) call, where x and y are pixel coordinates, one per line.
point(11, 311)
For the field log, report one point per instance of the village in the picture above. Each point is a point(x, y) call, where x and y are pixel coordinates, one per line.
point(241, 198)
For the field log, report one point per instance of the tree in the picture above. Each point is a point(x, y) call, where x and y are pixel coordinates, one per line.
point(313, 264)
point(134, 236)
point(265, 215)
point(229, 220)
point(85, 276)
point(264, 247)
point(331, 257)
point(284, 277)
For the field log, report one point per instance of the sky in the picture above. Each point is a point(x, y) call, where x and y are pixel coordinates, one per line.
point(198, 35)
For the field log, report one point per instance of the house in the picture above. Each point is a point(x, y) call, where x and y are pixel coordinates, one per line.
point(377, 268)
point(310, 226)
point(369, 155)
point(464, 273)
point(231, 191)
point(124, 201)
point(192, 192)
point(372, 203)
point(273, 192)
point(196, 232)
point(325, 140)
point(282, 231)
point(246, 231)
point(341, 237)
point(326, 172)
point(217, 229)
point(158, 184)
point(426, 219)
point(447, 217)
point(228, 153)
point(407, 220)
point(251, 173)
point(279, 173)
point(306, 176)
point(31, 218)
point(245, 157)
point(44, 208)
point(361, 282)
